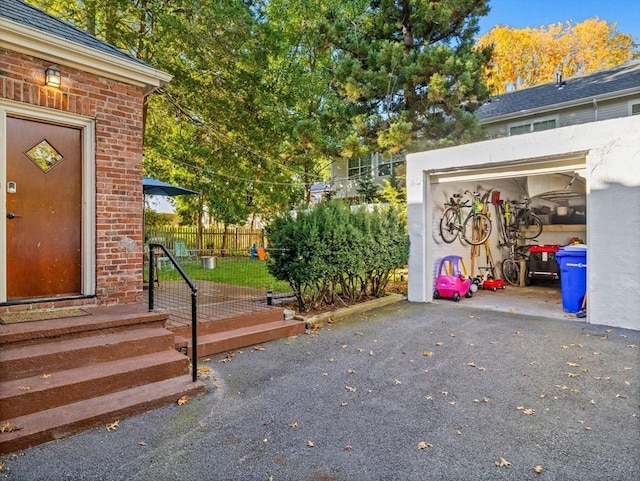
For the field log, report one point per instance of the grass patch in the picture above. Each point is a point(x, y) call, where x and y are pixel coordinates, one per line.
point(237, 271)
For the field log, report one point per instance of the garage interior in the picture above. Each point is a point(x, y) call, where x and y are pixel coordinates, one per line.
point(558, 196)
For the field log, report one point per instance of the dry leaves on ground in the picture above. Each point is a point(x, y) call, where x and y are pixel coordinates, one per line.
point(503, 463)
point(113, 426)
point(183, 400)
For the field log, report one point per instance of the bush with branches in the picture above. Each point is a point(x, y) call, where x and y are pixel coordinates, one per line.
point(336, 254)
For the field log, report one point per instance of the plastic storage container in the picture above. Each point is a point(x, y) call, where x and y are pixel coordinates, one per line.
point(573, 276)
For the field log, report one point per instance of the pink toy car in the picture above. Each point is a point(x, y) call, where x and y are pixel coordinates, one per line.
point(453, 281)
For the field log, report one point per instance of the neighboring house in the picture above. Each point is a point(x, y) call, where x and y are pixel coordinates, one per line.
point(602, 95)
point(346, 174)
point(580, 152)
point(319, 191)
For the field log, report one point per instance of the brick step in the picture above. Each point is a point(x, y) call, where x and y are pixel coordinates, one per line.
point(58, 355)
point(29, 395)
point(58, 422)
point(205, 327)
point(216, 343)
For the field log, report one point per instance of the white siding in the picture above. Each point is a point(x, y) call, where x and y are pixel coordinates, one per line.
point(610, 152)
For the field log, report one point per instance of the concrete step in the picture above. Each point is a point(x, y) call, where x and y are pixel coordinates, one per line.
point(218, 342)
point(66, 354)
point(261, 316)
point(98, 320)
point(48, 390)
point(62, 421)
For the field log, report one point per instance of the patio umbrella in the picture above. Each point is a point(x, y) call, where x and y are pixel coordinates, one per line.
point(152, 186)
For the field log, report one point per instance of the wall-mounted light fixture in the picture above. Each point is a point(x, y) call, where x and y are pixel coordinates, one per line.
point(52, 77)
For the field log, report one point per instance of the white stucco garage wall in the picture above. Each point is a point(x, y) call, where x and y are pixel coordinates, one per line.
point(609, 151)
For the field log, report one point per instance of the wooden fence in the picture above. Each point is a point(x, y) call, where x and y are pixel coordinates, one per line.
point(232, 239)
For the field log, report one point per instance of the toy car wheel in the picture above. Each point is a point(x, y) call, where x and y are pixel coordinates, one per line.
point(436, 294)
point(456, 297)
point(469, 294)
point(494, 289)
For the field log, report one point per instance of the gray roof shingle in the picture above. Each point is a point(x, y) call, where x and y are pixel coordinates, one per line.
point(19, 12)
point(587, 87)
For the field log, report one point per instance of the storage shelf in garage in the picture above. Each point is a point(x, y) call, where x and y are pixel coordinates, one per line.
point(561, 228)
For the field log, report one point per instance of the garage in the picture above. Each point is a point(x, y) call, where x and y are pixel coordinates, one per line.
point(581, 179)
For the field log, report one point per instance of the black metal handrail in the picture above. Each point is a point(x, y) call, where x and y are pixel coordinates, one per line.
point(194, 294)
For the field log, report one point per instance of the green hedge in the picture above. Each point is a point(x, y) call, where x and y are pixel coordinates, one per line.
point(333, 253)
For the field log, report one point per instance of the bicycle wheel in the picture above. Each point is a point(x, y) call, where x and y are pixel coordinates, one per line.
point(511, 271)
point(448, 229)
point(477, 229)
point(532, 226)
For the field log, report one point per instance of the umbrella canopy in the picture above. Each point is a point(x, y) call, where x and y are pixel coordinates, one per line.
point(152, 186)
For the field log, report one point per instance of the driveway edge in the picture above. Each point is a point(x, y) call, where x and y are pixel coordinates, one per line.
point(318, 320)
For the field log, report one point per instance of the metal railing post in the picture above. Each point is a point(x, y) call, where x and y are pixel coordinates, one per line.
point(194, 336)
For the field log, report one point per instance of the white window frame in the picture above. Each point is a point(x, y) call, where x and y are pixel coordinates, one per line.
point(531, 123)
point(394, 161)
point(362, 168)
point(633, 103)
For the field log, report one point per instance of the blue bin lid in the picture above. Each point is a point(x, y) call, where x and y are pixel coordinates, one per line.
point(572, 250)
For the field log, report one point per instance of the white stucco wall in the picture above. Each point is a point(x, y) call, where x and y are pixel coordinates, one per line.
point(610, 154)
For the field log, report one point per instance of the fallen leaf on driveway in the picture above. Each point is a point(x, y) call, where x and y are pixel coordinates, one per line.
point(113, 426)
point(427, 353)
point(259, 348)
point(350, 389)
point(183, 400)
point(310, 444)
point(527, 411)
point(537, 469)
point(424, 445)
point(502, 462)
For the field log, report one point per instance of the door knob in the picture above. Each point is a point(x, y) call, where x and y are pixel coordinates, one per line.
point(11, 215)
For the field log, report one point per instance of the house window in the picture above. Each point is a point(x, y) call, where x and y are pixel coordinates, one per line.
point(359, 167)
point(533, 126)
point(634, 108)
point(387, 166)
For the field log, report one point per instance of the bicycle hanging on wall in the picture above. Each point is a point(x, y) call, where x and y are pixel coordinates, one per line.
point(474, 228)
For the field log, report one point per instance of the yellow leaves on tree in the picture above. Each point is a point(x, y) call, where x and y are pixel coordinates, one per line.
point(532, 56)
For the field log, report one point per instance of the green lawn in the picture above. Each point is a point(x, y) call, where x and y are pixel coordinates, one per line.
point(238, 271)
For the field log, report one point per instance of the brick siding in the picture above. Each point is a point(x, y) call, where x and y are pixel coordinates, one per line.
point(117, 110)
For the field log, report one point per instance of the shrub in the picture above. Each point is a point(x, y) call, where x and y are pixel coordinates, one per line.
point(332, 253)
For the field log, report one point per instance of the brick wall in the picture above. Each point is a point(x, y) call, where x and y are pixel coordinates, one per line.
point(117, 111)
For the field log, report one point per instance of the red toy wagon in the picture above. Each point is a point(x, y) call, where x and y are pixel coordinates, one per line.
point(453, 281)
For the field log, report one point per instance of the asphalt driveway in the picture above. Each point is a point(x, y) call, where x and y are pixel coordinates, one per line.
point(407, 392)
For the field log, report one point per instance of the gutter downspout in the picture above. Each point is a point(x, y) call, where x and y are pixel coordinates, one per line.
point(595, 110)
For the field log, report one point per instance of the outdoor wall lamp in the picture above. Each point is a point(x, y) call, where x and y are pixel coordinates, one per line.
point(52, 77)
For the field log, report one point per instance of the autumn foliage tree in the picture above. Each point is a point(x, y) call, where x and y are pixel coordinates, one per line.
point(531, 56)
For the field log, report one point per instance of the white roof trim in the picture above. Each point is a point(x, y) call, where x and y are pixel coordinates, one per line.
point(26, 40)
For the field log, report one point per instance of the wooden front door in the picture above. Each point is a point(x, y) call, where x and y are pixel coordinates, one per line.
point(44, 210)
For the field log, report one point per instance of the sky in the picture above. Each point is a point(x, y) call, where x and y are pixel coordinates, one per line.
point(536, 13)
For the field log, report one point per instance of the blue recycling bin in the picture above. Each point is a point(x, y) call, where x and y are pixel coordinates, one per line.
point(573, 276)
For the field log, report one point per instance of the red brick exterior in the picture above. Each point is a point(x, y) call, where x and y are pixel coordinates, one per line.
point(117, 111)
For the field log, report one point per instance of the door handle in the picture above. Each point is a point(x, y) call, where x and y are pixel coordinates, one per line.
point(11, 215)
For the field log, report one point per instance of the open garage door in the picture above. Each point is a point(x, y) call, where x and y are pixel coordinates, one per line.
point(557, 189)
